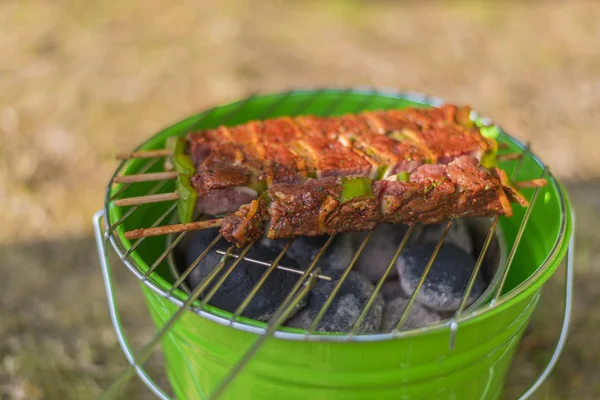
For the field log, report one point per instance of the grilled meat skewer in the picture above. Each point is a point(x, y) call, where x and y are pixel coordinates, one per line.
point(227, 167)
point(431, 194)
point(233, 165)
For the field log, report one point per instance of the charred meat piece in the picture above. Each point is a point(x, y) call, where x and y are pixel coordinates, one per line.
point(249, 158)
point(431, 194)
point(301, 210)
point(439, 132)
point(391, 155)
point(282, 165)
point(246, 223)
point(437, 193)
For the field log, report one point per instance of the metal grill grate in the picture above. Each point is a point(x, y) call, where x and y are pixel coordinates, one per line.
point(308, 276)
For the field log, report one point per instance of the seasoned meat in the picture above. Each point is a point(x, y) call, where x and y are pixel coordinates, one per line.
point(282, 165)
point(439, 132)
point(331, 158)
point(436, 193)
point(397, 155)
point(301, 210)
point(431, 194)
point(286, 150)
point(245, 224)
point(225, 200)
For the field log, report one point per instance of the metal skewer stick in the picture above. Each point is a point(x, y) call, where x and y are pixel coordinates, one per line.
point(266, 264)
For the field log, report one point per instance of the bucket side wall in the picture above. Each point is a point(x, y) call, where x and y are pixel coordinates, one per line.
point(199, 353)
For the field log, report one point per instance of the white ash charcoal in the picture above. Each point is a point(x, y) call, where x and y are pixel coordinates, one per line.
point(346, 307)
point(391, 289)
point(418, 316)
point(448, 277)
point(242, 279)
point(459, 234)
point(305, 249)
point(379, 251)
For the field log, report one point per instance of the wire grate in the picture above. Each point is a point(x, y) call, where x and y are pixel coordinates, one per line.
point(307, 277)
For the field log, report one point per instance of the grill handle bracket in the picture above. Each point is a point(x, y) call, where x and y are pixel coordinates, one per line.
point(102, 245)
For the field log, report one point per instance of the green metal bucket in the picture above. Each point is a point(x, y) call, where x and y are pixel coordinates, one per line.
point(463, 358)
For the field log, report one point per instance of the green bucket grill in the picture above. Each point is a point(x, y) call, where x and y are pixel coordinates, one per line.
point(209, 354)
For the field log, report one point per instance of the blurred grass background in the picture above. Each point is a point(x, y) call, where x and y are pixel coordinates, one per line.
point(80, 81)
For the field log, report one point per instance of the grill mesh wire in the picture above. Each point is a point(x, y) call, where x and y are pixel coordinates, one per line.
point(306, 281)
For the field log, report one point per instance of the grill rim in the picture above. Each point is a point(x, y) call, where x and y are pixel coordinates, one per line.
point(521, 290)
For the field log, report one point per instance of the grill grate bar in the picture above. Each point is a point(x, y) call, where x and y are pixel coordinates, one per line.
point(310, 268)
point(371, 300)
point(305, 104)
point(203, 118)
point(339, 284)
point(164, 255)
point(484, 250)
point(146, 351)
point(308, 273)
point(228, 272)
point(471, 283)
point(266, 264)
point(154, 225)
point(413, 297)
point(274, 323)
point(334, 104)
point(486, 245)
point(197, 261)
point(274, 107)
point(515, 245)
point(133, 209)
point(237, 109)
point(240, 309)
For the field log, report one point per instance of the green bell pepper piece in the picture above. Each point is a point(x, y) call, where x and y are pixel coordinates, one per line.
point(188, 197)
point(403, 176)
point(398, 136)
point(381, 172)
point(179, 160)
point(353, 187)
point(259, 187)
point(488, 160)
point(491, 132)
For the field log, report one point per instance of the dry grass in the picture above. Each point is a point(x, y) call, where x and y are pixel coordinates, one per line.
point(80, 81)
